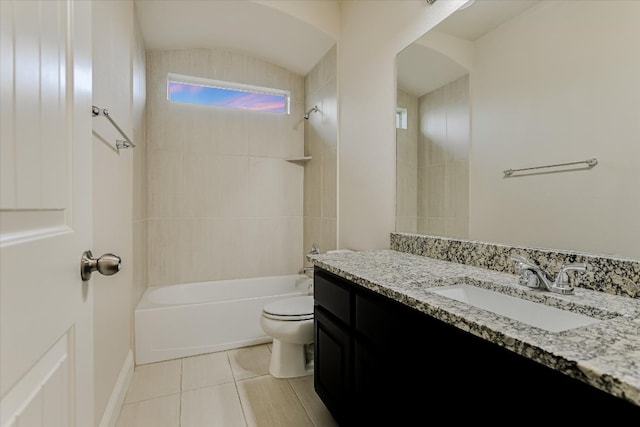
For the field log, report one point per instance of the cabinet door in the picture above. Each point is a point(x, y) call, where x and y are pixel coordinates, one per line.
point(332, 365)
point(391, 371)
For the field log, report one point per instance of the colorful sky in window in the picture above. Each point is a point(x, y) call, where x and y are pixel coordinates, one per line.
point(224, 97)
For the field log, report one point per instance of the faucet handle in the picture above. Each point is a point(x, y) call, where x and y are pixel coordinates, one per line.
point(562, 285)
point(520, 261)
point(526, 269)
point(522, 264)
point(563, 278)
point(529, 278)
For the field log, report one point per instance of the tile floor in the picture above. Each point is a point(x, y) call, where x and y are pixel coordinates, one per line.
point(227, 389)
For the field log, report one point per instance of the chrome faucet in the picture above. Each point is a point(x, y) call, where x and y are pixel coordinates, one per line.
point(531, 274)
point(306, 270)
point(315, 249)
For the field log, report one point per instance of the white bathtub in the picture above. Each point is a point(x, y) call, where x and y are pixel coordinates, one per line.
point(195, 318)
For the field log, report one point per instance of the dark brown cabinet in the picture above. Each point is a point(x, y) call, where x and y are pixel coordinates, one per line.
point(381, 362)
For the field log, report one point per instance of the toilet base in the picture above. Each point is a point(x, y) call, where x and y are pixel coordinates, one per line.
point(290, 360)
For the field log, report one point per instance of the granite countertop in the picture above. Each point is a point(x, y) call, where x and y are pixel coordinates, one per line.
point(605, 354)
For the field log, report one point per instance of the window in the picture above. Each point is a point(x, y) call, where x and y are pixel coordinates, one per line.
point(401, 118)
point(196, 90)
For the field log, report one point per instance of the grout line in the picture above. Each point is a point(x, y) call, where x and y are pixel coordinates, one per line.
point(304, 408)
point(235, 381)
point(233, 373)
point(180, 400)
point(149, 398)
point(200, 387)
point(235, 384)
point(244, 415)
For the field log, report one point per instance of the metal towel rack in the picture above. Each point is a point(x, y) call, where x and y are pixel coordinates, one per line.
point(95, 111)
point(590, 162)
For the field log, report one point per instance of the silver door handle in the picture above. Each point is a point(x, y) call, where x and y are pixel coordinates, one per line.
point(106, 265)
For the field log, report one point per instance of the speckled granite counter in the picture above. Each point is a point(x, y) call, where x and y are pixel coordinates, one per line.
point(605, 354)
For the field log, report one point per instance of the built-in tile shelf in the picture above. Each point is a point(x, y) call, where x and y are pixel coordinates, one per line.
point(300, 160)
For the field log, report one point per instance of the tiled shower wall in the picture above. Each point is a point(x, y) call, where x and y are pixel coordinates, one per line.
point(440, 165)
point(320, 173)
point(222, 201)
point(407, 166)
point(443, 152)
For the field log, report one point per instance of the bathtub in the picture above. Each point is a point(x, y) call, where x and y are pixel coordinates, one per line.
point(195, 318)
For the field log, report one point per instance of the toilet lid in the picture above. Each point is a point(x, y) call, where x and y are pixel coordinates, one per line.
point(290, 307)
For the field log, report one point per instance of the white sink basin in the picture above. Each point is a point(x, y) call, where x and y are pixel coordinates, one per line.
point(535, 314)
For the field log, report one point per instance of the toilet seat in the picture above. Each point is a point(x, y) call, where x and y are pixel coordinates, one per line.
point(290, 309)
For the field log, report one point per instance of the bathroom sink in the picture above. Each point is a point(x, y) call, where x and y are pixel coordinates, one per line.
point(535, 314)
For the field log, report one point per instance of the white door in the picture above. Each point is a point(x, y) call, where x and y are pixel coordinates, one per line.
point(46, 343)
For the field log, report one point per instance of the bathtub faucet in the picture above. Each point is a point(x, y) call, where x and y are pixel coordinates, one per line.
point(315, 250)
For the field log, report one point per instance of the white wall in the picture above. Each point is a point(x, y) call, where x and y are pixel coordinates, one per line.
point(371, 34)
point(530, 108)
point(324, 15)
point(115, 45)
point(139, 98)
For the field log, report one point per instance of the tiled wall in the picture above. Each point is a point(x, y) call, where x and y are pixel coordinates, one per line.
point(618, 276)
point(320, 173)
point(443, 161)
point(432, 161)
point(407, 166)
point(222, 201)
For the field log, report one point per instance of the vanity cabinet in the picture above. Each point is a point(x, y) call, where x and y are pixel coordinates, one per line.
point(381, 362)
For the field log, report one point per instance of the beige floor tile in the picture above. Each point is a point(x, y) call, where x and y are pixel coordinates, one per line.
point(159, 412)
point(154, 380)
point(205, 371)
point(271, 402)
point(249, 362)
point(319, 414)
point(153, 399)
point(212, 406)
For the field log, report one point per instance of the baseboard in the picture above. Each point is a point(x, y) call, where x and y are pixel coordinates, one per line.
point(111, 413)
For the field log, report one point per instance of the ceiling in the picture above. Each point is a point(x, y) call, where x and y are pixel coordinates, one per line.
point(481, 17)
point(266, 32)
point(422, 70)
point(253, 28)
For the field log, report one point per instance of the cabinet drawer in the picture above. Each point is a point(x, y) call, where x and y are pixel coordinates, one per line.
point(384, 322)
point(375, 322)
point(332, 294)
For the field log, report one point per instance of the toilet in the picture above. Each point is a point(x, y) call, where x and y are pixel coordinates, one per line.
point(289, 322)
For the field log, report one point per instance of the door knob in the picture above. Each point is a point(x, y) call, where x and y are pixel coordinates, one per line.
point(106, 265)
